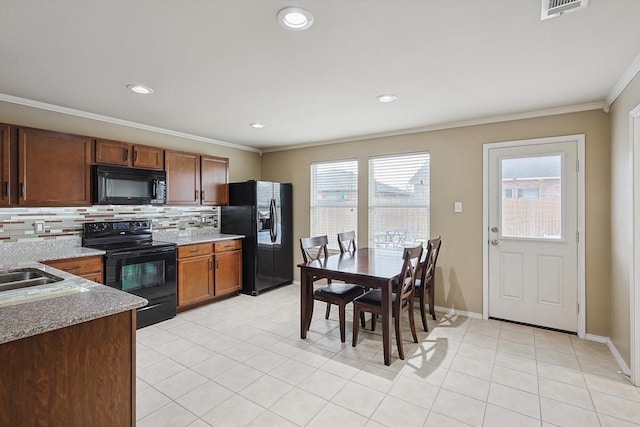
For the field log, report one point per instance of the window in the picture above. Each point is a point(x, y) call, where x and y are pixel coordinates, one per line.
point(334, 199)
point(399, 193)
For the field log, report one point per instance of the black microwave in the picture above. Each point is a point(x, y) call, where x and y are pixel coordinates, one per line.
point(114, 185)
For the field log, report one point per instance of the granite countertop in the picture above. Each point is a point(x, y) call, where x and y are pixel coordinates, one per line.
point(38, 309)
point(194, 237)
point(47, 250)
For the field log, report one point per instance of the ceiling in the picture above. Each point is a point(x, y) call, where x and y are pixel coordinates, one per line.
point(218, 65)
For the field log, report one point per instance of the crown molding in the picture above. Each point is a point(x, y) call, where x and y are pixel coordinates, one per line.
point(626, 78)
point(452, 125)
point(107, 119)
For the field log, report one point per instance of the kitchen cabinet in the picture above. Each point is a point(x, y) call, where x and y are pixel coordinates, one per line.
point(193, 179)
point(214, 179)
point(54, 169)
point(91, 267)
point(228, 267)
point(8, 166)
point(126, 154)
point(79, 375)
point(195, 274)
point(207, 271)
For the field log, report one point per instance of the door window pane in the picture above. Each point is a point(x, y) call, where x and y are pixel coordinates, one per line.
point(399, 194)
point(334, 199)
point(531, 197)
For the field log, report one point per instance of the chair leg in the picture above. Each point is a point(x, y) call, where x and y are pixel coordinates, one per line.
point(342, 322)
point(423, 312)
point(412, 323)
point(432, 299)
point(326, 316)
point(399, 337)
point(373, 322)
point(311, 315)
point(356, 325)
point(362, 318)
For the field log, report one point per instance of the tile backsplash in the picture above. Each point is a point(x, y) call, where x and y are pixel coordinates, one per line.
point(18, 224)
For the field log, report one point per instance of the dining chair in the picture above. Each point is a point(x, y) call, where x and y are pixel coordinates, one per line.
point(402, 299)
point(340, 294)
point(425, 284)
point(347, 241)
point(420, 291)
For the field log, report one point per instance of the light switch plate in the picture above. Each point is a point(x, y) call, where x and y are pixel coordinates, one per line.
point(457, 207)
point(38, 226)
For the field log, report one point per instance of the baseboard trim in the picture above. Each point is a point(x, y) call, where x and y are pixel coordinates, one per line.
point(606, 340)
point(453, 311)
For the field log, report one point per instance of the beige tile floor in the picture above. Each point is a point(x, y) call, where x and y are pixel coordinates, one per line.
point(240, 362)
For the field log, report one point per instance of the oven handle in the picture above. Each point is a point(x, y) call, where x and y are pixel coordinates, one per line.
point(149, 307)
point(136, 254)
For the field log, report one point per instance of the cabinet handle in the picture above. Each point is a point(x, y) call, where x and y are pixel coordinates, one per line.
point(74, 267)
point(22, 190)
point(216, 264)
point(202, 195)
point(6, 188)
point(193, 251)
point(126, 155)
point(135, 156)
point(210, 264)
point(196, 195)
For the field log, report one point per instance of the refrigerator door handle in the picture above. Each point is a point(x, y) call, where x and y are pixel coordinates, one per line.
point(272, 213)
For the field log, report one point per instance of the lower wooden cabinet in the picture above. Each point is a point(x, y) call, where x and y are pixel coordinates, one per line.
point(80, 375)
point(91, 267)
point(207, 271)
point(195, 274)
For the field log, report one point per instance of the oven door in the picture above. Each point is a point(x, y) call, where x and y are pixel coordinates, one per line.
point(150, 274)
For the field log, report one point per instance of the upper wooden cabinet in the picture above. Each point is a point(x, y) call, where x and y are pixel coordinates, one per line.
point(8, 166)
point(125, 154)
point(214, 179)
point(54, 169)
point(193, 179)
point(183, 178)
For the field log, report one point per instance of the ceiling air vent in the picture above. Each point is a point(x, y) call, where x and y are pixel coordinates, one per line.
point(553, 8)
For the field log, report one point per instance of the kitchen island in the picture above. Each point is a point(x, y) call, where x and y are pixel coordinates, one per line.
point(67, 352)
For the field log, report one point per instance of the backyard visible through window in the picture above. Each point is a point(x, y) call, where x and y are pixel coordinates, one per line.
point(399, 193)
point(334, 199)
point(531, 197)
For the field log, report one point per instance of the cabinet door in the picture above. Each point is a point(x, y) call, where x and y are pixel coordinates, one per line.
point(215, 177)
point(228, 278)
point(148, 157)
point(8, 164)
point(54, 169)
point(183, 178)
point(195, 280)
point(113, 152)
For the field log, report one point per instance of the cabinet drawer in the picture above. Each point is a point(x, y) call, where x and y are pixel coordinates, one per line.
point(78, 266)
point(195, 250)
point(228, 245)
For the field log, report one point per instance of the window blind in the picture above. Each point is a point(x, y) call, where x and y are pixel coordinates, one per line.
point(334, 198)
point(399, 193)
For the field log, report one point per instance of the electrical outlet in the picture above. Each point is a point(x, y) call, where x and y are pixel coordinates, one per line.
point(38, 226)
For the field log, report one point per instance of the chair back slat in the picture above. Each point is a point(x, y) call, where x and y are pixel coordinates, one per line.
point(314, 248)
point(347, 241)
point(435, 245)
point(410, 266)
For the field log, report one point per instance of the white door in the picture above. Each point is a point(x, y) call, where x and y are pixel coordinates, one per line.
point(533, 232)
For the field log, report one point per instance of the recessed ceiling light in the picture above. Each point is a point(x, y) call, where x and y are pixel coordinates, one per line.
point(256, 125)
point(145, 90)
point(295, 18)
point(387, 98)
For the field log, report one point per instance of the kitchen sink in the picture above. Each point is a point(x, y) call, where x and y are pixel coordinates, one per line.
point(24, 278)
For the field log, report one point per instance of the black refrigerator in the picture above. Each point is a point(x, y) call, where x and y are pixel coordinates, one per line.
point(263, 212)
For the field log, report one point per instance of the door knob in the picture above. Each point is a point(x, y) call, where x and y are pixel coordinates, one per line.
point(494, 229)
point(494, 242)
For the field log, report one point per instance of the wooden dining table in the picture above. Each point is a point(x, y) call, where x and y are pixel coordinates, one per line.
point(370, 267)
